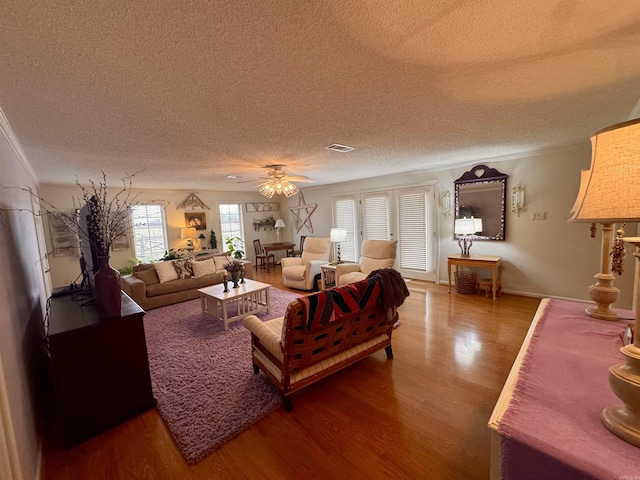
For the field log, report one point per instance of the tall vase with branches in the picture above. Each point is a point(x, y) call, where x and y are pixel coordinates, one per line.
point(107, 220)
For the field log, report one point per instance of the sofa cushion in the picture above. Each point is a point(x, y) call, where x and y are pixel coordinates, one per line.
point(180, 285)
point(183, 267)
point(221, 261)
point(144, 266)
point(368, 264)
point(148, 276)
point(351, 277)
point(166, 271)
point(203, 267)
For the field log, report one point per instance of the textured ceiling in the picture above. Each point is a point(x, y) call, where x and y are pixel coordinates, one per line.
point(190, 92)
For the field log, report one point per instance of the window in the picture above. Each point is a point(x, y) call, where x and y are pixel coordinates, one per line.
point(415, 232)
point(406, 215)
point(231, 223)
point(149, 232)
point(375, 209)
point(345, 217)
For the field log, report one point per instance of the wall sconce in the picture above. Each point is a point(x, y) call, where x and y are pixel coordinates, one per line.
point(517, 199)
point(445, 202)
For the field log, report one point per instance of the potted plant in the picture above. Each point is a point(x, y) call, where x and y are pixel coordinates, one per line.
point(235, 269)
point(235, 247)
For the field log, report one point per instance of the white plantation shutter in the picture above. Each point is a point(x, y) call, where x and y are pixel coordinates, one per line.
point(415, 229)
point(345, 217)
point(376, 217)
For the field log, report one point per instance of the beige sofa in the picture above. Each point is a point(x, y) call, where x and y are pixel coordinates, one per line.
point(324, 332)
point(145, 287)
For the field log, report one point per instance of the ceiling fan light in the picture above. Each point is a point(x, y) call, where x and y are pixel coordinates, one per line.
point(278, 185)
point(266, 189)
point(290, 190)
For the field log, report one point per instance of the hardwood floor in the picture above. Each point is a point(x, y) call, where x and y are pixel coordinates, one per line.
point(421, 415)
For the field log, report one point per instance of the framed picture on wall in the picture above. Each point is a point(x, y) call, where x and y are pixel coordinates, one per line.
point(65, 241)
point(121, 243)
point(196, 219)
point(262, 206)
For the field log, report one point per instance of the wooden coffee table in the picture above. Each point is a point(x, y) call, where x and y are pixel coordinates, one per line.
point(250, 297)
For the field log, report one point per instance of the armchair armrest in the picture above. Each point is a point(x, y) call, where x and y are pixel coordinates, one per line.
point(343, 268)
point(133, 286)
point(313, 267)
point(289, 261)
point(268, 338)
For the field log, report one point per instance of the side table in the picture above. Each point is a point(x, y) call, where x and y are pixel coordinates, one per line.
point(327, 276)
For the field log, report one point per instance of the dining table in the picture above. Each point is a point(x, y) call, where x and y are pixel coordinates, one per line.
point(278, 246)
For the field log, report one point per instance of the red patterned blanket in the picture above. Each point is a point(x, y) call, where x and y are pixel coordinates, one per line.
point(330, 305)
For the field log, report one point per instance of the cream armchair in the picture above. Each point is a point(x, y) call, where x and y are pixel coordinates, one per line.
point(376, 254)
point(300, 272)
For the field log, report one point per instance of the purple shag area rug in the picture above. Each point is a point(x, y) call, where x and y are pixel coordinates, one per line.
point(202, 376)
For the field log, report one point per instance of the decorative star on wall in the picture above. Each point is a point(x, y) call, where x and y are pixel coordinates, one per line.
point(303, 219)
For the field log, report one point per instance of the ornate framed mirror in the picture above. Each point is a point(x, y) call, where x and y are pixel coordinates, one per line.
point(481, 193)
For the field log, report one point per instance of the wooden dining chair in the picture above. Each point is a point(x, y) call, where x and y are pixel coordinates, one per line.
point(261, 258)
point(297, 253)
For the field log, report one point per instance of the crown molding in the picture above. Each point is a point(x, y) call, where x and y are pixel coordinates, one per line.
point(15, 145)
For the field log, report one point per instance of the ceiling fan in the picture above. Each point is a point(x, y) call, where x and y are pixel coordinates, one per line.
point(277, 181)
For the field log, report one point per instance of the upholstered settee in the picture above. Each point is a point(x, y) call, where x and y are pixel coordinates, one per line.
point(154, 285)
point(326, 331)
point(375, 254)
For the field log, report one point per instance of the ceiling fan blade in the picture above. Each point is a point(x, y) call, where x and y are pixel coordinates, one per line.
point(301, 179)
point(254, 181)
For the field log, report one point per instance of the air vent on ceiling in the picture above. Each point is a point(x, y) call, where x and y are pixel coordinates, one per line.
point(340, 148)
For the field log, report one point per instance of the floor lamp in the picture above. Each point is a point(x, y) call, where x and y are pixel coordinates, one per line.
point(278, 225)
point(611, 195)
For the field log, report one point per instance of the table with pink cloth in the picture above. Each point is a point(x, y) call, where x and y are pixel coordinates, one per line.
point(552, 428)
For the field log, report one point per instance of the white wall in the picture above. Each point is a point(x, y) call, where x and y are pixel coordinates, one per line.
point(22, 299)
point(542, 258)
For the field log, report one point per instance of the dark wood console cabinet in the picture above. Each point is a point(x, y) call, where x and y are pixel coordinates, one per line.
point(99, 366)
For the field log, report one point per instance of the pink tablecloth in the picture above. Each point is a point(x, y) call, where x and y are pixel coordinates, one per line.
point(552, 427)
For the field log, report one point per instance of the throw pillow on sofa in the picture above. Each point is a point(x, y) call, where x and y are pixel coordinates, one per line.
point(221, 261)
point(203, 267)
point(183, 268)
point(166, 271)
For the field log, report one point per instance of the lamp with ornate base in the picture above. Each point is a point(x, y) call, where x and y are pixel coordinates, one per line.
point(466, 227)
point(609, 193)
point(188, 234)
point(624, 379)
point(338, 235)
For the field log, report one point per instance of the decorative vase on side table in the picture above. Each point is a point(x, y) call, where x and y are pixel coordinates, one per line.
point(108, 296)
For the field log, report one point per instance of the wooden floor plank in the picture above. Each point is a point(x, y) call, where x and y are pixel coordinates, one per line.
point(421, 415)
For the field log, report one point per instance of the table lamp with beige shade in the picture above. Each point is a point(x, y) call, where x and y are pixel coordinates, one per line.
point(188, 234)
point(610, 193)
